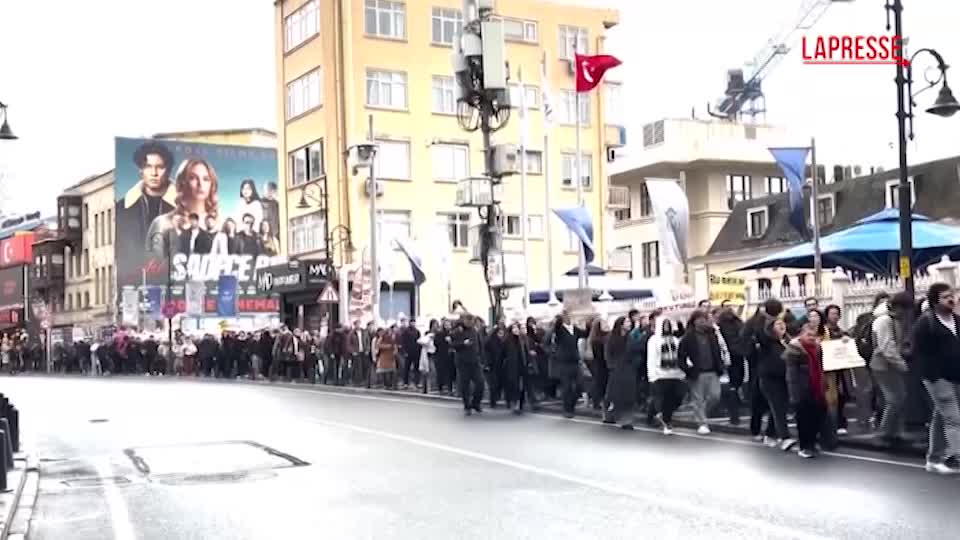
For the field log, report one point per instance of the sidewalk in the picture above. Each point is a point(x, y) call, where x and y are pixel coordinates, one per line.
point(16, 504)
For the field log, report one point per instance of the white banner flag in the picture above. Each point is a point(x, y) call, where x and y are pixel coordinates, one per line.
point(546, 97)
point(672, 215)
point(130, 307)
point(196, 292)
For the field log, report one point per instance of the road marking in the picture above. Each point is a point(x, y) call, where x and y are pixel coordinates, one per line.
point(119, 515)
point(422, 402)
point(678, 505)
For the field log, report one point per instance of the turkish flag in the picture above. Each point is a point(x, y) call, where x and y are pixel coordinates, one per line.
point(590, 70)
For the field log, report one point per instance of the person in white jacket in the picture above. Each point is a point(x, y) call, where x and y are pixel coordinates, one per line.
point(427, 350)
point(664, 373)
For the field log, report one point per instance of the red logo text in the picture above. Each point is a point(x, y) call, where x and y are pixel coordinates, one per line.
point(853, 50)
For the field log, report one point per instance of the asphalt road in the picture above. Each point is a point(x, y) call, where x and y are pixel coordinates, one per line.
point(164, 459)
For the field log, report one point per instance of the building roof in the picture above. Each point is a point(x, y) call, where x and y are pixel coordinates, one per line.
point(209, 132)
point(87, 180)
point(936, 190)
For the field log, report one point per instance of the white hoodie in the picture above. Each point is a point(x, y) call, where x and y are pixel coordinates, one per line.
point(654, 346)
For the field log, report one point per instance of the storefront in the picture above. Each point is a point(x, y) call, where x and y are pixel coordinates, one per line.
point(12, 299)
point(308, 299)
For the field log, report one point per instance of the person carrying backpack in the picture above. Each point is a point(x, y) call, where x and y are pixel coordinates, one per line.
point(864, 390)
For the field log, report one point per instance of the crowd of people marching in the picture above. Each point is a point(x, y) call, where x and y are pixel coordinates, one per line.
point(645, 363)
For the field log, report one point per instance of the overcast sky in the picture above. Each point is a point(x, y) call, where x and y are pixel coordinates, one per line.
point(84, 72)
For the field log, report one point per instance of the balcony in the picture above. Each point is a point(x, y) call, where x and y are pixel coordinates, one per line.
point(618, 198)
point(47, 273)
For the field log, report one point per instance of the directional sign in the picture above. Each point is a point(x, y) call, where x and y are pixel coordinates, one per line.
point(328, 295)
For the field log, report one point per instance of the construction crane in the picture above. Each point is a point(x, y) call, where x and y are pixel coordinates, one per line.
point(744, 95)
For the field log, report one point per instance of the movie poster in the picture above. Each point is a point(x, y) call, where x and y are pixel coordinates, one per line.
point(194, 212)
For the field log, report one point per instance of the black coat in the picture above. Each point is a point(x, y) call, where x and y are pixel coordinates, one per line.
point(467, 353)
point(936, 351)
point(689, 351)
point(731, 327)
point(565, 357)
point(622, 381)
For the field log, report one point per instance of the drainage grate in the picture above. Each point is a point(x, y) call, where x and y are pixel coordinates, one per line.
point(97, 481)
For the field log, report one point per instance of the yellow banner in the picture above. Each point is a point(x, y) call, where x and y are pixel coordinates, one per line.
point(727, 288)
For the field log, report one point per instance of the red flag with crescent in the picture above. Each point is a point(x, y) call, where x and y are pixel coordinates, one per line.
point(590, 70)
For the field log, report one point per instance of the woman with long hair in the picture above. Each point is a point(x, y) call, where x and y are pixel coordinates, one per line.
point(250, 203)
point(597, 341)
point(271, 246)
point(664, 373)
point(226, 241)
point(622, 382)
point(196, 186)
point(515, 367)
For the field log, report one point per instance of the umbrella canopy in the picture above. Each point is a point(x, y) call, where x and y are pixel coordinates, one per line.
point(870, 245)
point(592, 270)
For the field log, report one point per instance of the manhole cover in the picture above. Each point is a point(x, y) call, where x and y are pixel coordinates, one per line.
point(98, 420)
point(206, 459)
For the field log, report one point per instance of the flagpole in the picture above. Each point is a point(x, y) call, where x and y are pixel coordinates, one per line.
point(582, 267)
point(524, 220)
point(814, 192)
point(547, 123)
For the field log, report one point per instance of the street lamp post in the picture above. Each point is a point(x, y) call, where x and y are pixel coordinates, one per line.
point(945, 105)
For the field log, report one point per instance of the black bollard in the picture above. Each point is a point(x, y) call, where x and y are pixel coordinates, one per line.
point(15, 428)
point(3, 466)
point(4, 407)
point(6, 442)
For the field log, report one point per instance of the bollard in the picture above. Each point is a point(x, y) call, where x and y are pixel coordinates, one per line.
point(15, 428)
point(4, 406)
point(6, 442)
point(3, 466)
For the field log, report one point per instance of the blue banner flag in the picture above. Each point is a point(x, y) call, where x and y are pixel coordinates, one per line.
point(578, 220)
point(793, 163)
point(227, 296)
point(416, 263)
point(154, 300)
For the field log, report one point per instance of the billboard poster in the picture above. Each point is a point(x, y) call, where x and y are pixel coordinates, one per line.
point(195, 212)
point(11, 288)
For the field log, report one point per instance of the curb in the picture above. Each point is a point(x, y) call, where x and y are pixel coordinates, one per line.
point(22, 464)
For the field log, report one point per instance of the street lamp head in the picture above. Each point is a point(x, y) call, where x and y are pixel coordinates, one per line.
point(946, 105)
point(6, 134)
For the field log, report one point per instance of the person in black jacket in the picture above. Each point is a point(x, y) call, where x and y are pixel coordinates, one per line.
point(699, 357)
point(493, 352)
point(565, 364)
point(731, 328)
point(466, 342)
point(936, 357)
point(410, 349)
point(772, 372)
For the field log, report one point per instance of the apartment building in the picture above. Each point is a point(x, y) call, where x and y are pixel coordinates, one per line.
point(390, 60)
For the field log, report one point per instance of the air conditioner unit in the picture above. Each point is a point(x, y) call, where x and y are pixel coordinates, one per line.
point(505, 270)
point(477, 191)
point(571, 69)
point(506, 160)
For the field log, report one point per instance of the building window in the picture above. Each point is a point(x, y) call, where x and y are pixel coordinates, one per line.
point(531, 96)
point(621, 214)
point(776, 184)
point(534, 162)
point(756, 222)
point(646, 206)
point(571, 39)
point(96, 284)
point(86, 262)
point(444, 95)
point(826, 209)
point(457, 226)
point(69, 302)
point(393, 224)
point(521, 30)
point(110, 284)
point(392, 161)
point(306, 164)
point(86, 217)
point(893, 193)
point(447, 22)
point(568, 104)
point(451, 162)
point(300, 25)
point(738, 189)
point(387, 89)
point(613, 100)
point(307, 233)
point(110, 226)
point(304, 94)
point(650, 253)
point(86, 299)
point(96, 230)
point(569, 166)
point(512, 226)
point(385, 18)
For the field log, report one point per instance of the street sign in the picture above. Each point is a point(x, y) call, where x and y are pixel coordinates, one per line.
point(169, 310)
point(328, 295)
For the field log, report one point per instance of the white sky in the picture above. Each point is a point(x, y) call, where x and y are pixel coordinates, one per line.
point(80, 73)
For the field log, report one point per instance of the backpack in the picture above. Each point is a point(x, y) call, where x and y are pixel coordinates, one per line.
point(864, 339)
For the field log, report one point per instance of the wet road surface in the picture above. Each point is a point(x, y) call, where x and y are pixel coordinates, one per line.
point(163, 458)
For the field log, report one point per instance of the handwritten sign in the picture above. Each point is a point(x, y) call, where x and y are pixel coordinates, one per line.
point(841, 354)
point(727, 288)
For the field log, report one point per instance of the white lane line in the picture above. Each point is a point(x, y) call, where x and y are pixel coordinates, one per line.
point(676, 433)
point(119, 515)
point(675, 504)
